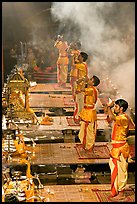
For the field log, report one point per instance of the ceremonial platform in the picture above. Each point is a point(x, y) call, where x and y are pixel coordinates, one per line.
point(68, 173)
point(50, 88)
point(83, 193)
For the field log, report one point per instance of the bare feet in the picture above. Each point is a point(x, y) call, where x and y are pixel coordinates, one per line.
point(119, 196)
point(77, 121)
point(63, 85)
point(89, 150)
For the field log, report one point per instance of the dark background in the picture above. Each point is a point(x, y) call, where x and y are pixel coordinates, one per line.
point(18, 24)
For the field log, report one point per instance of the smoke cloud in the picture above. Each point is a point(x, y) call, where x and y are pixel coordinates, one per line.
point(107, 33)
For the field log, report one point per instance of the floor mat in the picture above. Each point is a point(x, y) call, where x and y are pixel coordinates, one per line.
point(57, 87)
point(71, 121)
point(103, 196)
point(98, 152)
point(68, 101)
point(101, 123)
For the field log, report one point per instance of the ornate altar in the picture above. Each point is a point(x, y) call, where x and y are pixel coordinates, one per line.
point(18, 97)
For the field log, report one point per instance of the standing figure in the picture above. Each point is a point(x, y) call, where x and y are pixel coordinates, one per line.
point(120, 149)
point(73, 59)
point(62, 62)
point(88, 115)
point(81, 72)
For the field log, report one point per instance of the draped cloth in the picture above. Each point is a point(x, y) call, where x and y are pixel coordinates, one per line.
point(119, 174)
point(79, 72)
point(62, 62)
point(79, 104)
point(87, 134)
point(88, 116)
point(119, 154)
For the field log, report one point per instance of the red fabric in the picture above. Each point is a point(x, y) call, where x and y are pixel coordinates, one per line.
point(132, 150)
point(85, 134)
point(89, 107)
point(37, 68)
point(117, 145)
point(75, 112)
point(113, 177)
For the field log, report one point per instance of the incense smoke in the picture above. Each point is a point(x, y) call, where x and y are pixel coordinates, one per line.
point(107, 33)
